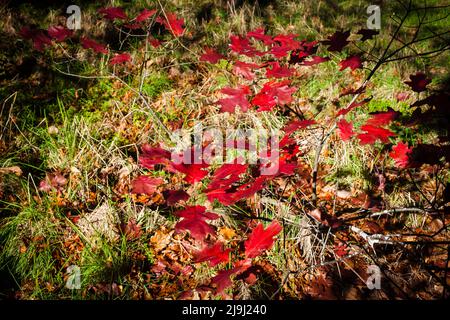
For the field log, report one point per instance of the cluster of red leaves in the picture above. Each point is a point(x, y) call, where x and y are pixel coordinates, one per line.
point(43, 38)
point(229, 183)
point(280, 47)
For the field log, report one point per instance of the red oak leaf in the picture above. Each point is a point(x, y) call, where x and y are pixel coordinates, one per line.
point(273, 93)
point(345, 130)
point(288, 41)
point(295, 125)
point(367, 34)
point(242, 46)
point(222, 280)
point(52, 181)
point(260, 240)
point(145, 14)
point(353, 62)
point(401, 96)
point(197, 228)
point(245, 69)
point(211, 56)
point(401, 154)
point(172, 24)
point(418, 82)
point(277, 71)
point(193, 172)
point(59, 33)
point(91, 44)
point(277, 167)
point(238, 98)
point(154, 42)
point(306, 49)
point(279, 51)
point(314, 60)
point(337, 41)
point(175, 196)
point(196, 212)
point(213, 254)
point(382, 118)
point(260, 35)
point(352, 106)
point(132, 230)
point(120, 58)
point(194, 221)
point(341, 249)
point(38, 37)
point(227, 174)
point(373, 134)
point(224, 195)
point(113, 13)
point(249, 189)
point(152, 156)
point(145, 184)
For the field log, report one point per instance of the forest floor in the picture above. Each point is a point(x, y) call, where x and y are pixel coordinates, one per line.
point(73, 129)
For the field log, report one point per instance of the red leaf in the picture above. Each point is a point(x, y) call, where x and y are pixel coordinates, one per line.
point(260, 239)
point(59, 33)
point(227, 174)
point(91, 44)
point(211, 56)
point(39, 38)
point(352, 106)
point(373, 134)
point(152, 156)
point(172, 24)
point(277, 71)
point(145, 184)
point(418, 82)
point(120, 58)
point(194, 221)
point(273, 93)
point(197, 228)
point(154, 42)
point(337, 41)
point(245, 69)
point(382, 118)
point(223, 280)
point(196, 212)
point(145, 14)
point(193, 172)
point(113, 13)
point(279, 51)
point(238, 98)
point(314, 60)
point(242, 46)
point(132, 230)
point(213, 254)
point(402, 96)
point(345, 130)
point(259, 34)
point(295, 125)
point(174, 196)
point(401, 154)
point(249, 189)
point(367, 33)
point(52, 181)
point(353, 62)
point(287, 41)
